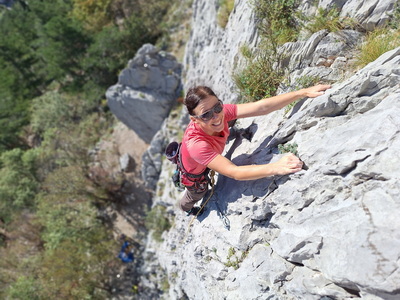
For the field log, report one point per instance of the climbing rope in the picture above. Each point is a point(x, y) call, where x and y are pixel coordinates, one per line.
point(212, 173)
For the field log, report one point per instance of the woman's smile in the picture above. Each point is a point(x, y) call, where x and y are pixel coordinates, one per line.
point(216, 124)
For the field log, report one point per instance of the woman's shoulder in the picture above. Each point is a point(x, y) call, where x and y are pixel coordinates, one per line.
point(230, 111)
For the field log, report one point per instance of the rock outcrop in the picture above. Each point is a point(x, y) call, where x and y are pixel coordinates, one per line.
point(328, 232)
point(146, 91)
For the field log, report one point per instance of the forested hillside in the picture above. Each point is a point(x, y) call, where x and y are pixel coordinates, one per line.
point(57, 58)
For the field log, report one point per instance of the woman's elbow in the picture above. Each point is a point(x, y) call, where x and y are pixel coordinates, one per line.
point(238, 176)
point(233, 173)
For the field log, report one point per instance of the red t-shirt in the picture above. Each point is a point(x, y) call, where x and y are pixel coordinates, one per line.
point(199, 149)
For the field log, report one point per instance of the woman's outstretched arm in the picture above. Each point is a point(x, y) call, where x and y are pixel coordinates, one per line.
point(286, 165)
point(267, 105)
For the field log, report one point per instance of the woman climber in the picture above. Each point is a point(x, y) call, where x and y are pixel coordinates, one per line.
point(205, 137)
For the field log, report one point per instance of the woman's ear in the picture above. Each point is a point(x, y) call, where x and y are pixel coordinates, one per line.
point(193, 119)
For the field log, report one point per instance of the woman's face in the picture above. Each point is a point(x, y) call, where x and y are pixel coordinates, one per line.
point(216, 123)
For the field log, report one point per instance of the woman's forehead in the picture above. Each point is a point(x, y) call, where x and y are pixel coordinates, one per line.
point(206, 104)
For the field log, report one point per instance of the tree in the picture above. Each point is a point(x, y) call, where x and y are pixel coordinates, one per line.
point(95, 14)
point(18, 183)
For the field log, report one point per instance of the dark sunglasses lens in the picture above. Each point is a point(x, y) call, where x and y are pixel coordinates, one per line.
point(207, 116)
point(218, 108)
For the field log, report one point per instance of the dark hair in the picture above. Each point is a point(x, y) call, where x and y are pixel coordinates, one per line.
point(195, 95)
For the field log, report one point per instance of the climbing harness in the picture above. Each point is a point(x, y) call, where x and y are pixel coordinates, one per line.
point(200, 181)
point(212, 182)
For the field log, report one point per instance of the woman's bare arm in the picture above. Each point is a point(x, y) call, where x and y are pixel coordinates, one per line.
point(286, 165)
point(267, 105)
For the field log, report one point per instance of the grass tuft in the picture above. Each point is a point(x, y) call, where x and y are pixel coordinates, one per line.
point(157, 221)
point(329, 20)
point(377, 43)
point(224, 11)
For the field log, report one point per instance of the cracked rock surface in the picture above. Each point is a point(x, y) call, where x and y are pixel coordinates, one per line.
point(330, 231)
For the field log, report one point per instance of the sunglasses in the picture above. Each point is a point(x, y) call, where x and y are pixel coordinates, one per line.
point(207, 116)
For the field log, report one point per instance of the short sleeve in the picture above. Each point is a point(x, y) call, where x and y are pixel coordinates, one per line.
point(203, 153)
point(230, 112)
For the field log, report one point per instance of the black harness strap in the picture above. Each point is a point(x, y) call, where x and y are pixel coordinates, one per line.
point(186, 173)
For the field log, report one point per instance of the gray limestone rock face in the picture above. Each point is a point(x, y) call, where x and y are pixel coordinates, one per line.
point(146, 91)
point(367, 13)
point(328, 232)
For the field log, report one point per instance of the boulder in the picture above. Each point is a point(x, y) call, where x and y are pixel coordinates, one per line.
point(146, 91)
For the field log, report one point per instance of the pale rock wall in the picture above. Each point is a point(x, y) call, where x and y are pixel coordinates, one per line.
point(328, 232)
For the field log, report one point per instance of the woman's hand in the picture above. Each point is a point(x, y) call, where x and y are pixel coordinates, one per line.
point(316, 90)
point(288, 164)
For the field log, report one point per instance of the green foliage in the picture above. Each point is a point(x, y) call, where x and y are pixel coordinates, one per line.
point(48, 43)
point(60, 45)
point(42, 44)
point(51, 110)
point(18, 183)
point(66, 216)
point(394, 21)
point(233, 260)
point(17, 56)
point(157, 221)
point(76, 269)
point(164, 285)
point(225, 9)
point(278, 22)
point(277, 25)
point(305, 82)
point(94, 14)
point(13, 117)
point(330, 20)
point(112, 48)
point(259, 79)
point(288, 148)
point(25, 288)
point(55, 64)
point(78, 246)
point(377, 43)
point(38, 45)
point(56, 110)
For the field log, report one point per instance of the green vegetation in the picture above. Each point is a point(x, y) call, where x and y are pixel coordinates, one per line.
point(394, 22)
point(377, 43)
point(225, 9)
point(18, 182)
point(278, 20)
point(277, 25)
point(233, 260)
point(57, 58)
point(157, 221)
point(288, 148)
point(259, 79)
point(95, 15)
point(330, 20)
